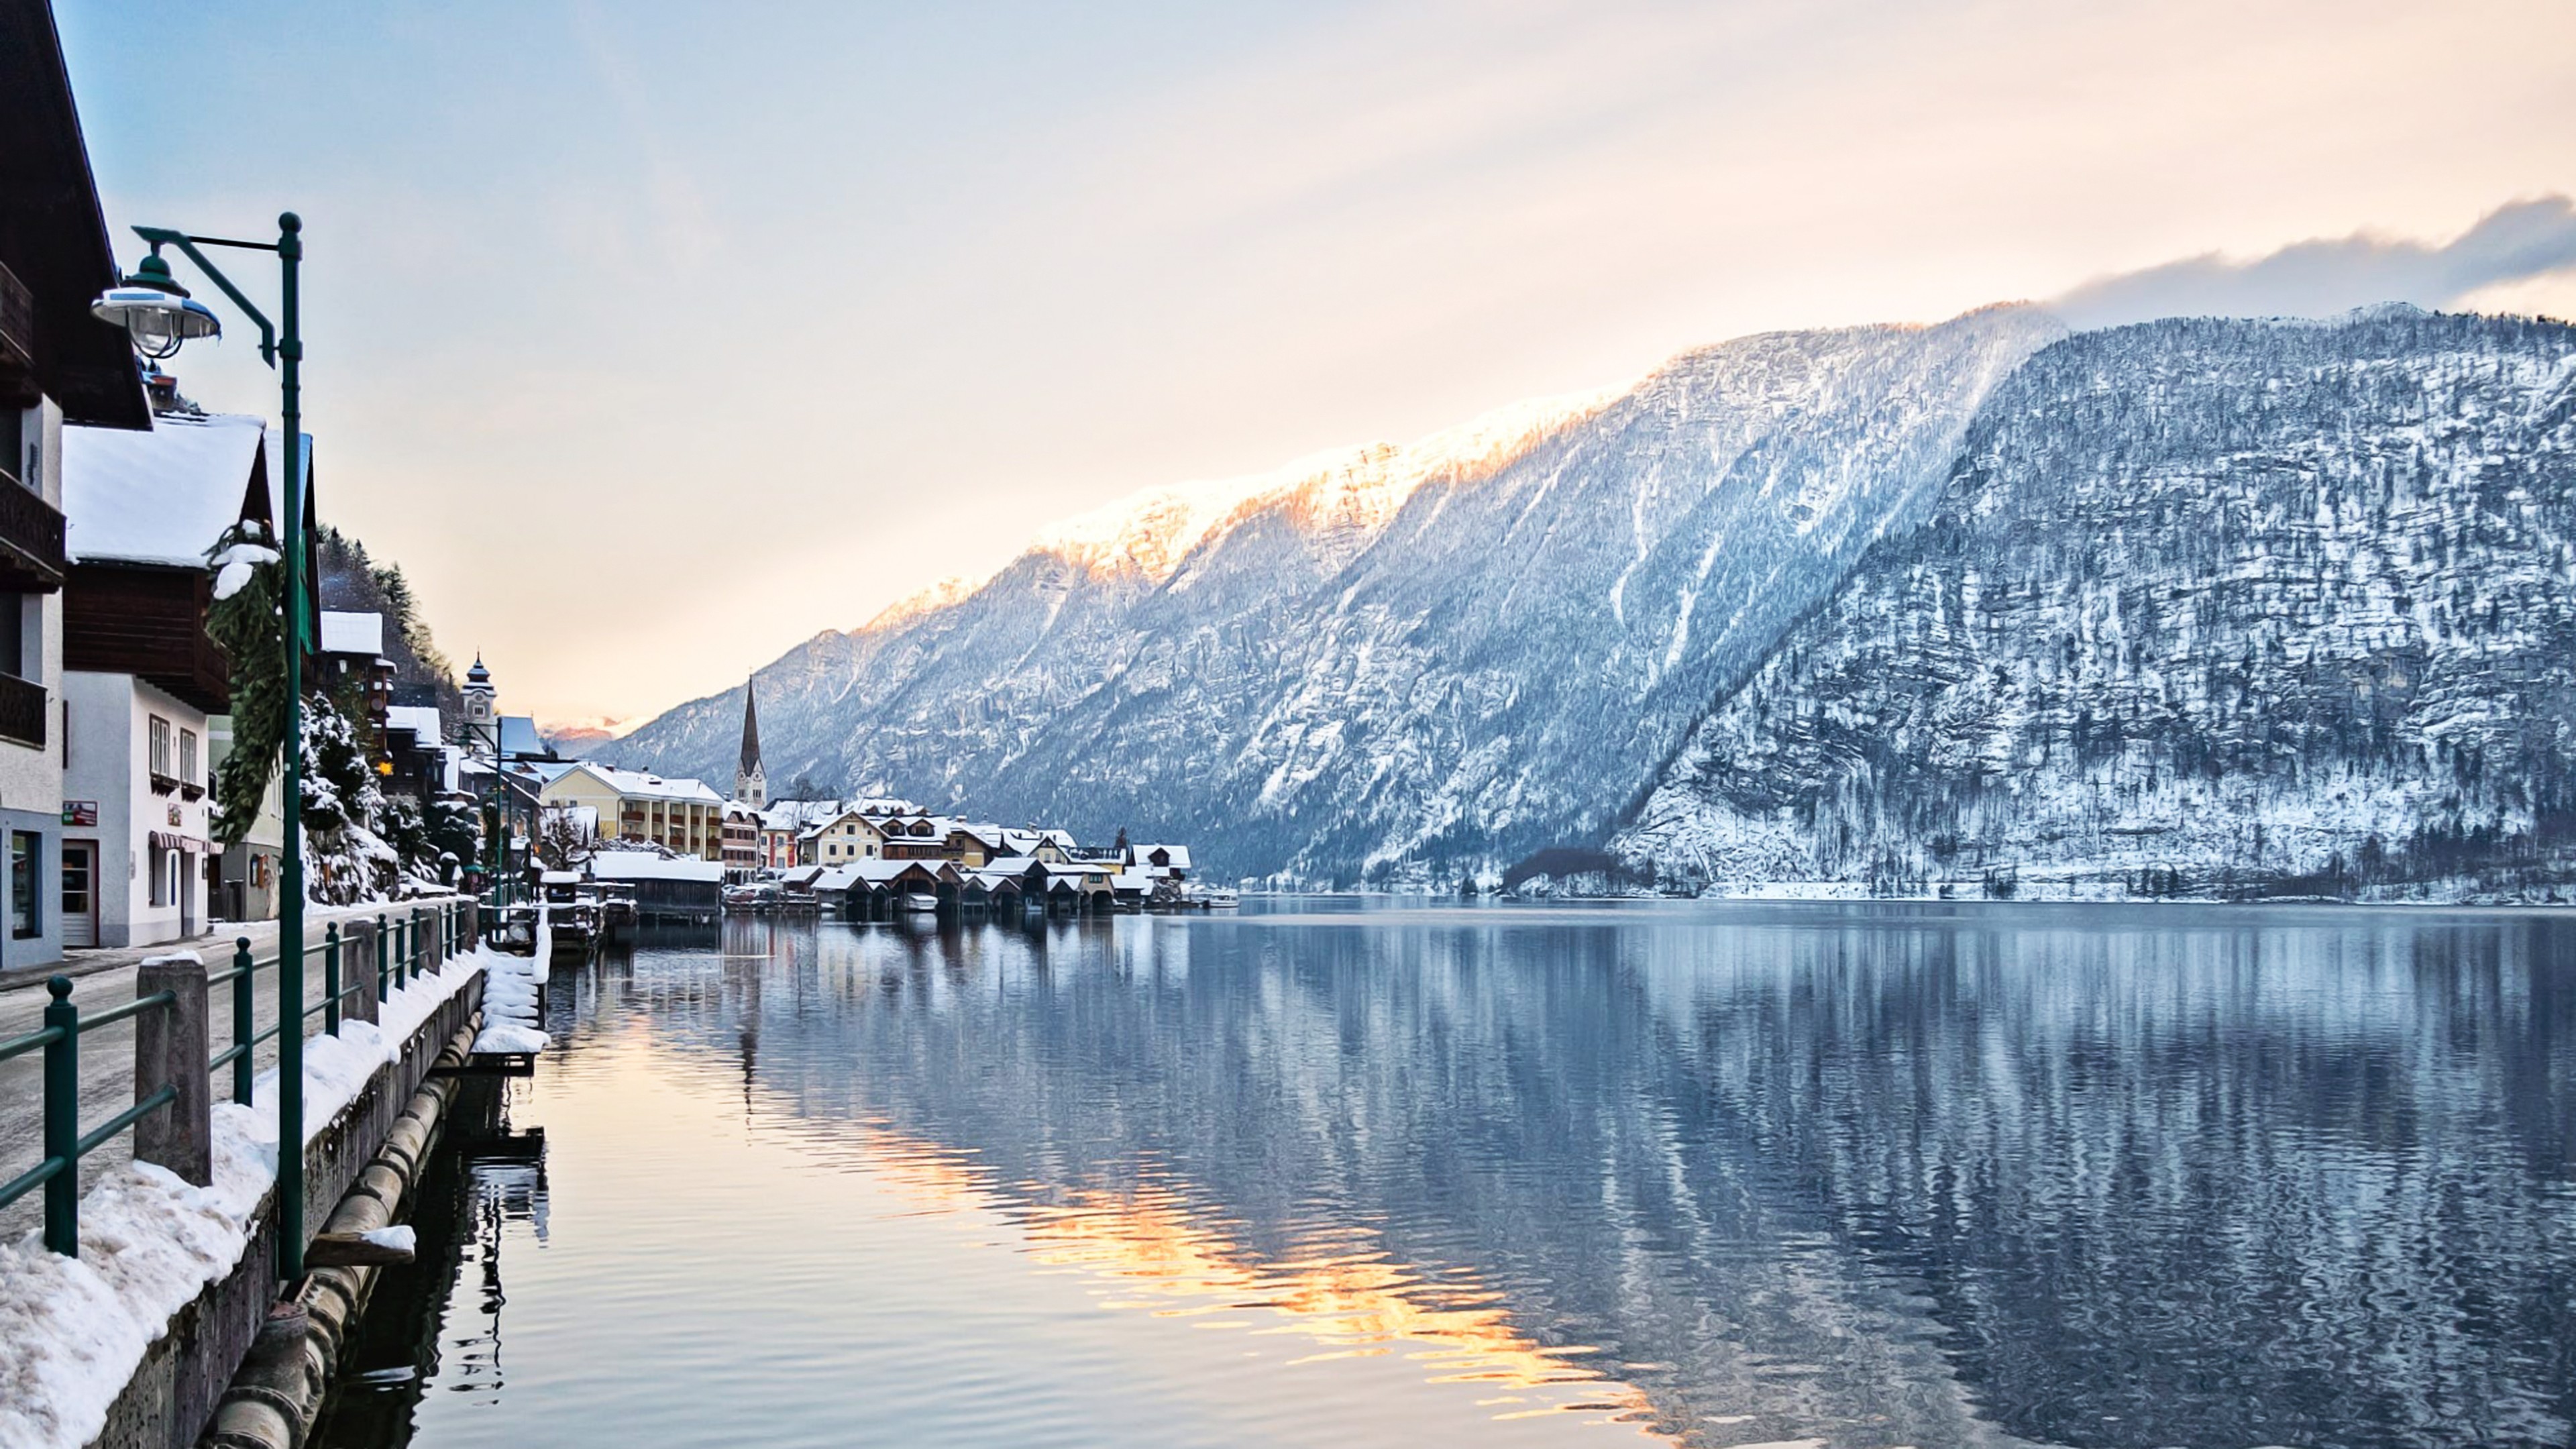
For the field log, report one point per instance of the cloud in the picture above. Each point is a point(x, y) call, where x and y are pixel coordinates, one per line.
point(2513, 243)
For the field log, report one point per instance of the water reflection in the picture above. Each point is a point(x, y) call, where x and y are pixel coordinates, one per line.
point(1869, 1176)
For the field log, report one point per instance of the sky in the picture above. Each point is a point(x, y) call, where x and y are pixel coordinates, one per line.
point(653, 338)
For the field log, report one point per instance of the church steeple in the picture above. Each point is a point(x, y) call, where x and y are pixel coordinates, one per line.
point(750, 782)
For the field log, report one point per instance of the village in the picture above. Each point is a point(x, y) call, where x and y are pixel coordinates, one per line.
point(681, 852)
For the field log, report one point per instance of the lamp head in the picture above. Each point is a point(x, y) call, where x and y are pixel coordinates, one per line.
point(155, 310)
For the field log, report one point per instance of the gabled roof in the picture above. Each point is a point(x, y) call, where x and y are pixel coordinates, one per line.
point(162, 495)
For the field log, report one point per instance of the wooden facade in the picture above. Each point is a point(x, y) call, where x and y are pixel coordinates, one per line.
point(147, 620)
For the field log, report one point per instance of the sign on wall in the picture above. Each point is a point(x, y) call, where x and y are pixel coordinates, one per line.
point(80, 812)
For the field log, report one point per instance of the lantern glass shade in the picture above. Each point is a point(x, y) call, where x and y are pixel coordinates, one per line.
point(158, 321)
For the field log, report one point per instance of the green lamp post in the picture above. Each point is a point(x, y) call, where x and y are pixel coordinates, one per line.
point(158, 315)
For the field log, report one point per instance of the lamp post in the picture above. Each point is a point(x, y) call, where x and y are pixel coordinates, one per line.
point(158, 315)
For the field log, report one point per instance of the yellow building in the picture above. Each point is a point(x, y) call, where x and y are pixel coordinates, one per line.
point(684, 815)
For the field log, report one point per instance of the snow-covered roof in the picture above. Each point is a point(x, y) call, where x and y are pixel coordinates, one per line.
point(1011, 864)
point(637, 785)
point(161, 496)
point(1132, 880)
point(344, 632)
point(519, 735)
point(644, 865)
point(559, 877)
point(1176, 856)
point(421, 719)
point(797, 814)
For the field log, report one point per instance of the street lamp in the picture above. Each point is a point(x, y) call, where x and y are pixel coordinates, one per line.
point(158, 315)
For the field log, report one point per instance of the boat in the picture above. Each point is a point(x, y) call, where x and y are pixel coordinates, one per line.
point(920, 903)
point(1218, 900)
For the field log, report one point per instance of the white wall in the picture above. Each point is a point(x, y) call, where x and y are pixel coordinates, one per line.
point(31, 780)
point(111, 763)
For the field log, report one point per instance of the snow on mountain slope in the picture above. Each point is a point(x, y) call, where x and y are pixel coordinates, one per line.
point(1394, 660)
point(2210, 607)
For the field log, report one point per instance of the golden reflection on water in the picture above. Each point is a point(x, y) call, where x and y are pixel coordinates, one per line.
point(1340, 1288)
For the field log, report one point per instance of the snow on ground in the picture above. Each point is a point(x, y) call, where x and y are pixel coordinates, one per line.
point(72, 1330)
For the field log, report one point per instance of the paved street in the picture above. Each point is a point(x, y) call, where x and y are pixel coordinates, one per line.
point(102, 979)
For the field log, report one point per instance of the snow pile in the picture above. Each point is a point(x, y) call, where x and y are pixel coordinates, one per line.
point(72, 1330)
point(233, 566)
point(510, 997)
point(398, 1237)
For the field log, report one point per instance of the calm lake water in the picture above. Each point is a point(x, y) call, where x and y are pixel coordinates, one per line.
point(1353, 1173)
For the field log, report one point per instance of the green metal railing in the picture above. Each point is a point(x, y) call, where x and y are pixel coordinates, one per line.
point(402, 952)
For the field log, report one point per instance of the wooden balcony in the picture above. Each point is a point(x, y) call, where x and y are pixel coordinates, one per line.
point(23, 708)
point(31, 538)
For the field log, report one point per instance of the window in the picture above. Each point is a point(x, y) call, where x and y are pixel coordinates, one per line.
point(23, 847)
point(188, 758)
point(158, 732)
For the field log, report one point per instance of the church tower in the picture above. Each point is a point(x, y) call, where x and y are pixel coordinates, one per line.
point(750, 782)
point(479, 703)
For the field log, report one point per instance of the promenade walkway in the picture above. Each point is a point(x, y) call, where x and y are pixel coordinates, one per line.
point(105, 978)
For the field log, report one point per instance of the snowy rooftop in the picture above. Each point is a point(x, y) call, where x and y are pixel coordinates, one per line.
point(421, 719)
point(351, 633)
point(519, 735)
point(644, 865)
point(162, 496)
point(636, 784)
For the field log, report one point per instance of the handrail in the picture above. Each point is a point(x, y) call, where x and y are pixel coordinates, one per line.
point(59, 1039)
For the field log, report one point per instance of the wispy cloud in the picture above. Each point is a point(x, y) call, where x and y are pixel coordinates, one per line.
point(2513, 243)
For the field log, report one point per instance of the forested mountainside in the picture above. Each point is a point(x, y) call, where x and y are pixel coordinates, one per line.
point(2204, 606)
point(1406, 662)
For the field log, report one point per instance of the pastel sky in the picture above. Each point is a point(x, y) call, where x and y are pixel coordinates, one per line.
point(654, 337)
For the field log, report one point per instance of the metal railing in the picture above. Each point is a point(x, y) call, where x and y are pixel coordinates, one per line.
point(405, 944)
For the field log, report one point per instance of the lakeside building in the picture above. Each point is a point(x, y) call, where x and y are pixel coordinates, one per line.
point(58, 365)
point(683, 816)
point(143, 682)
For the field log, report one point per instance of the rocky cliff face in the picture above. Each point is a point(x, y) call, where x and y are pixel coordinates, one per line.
point(2229, 607)
point(1394, 662)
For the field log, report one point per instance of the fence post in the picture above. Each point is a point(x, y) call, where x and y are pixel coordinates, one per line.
point(170, 1051)
point(413, 939)
point(62, 1120)
point(384, 956)
point(245, 1020)
point(330, 977)
point(366, 987)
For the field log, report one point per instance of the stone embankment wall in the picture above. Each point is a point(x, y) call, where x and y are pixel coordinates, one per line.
point(277, 1393)
point(174, 1393)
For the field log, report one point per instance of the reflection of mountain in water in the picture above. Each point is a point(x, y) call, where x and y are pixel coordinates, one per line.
point(1881, 1177)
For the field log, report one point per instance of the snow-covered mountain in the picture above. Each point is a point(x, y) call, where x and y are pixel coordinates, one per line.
point(2211, 607)
point(1388, 659)
point(2190, 605)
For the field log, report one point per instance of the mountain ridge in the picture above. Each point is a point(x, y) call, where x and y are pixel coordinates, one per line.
point(1404, 664)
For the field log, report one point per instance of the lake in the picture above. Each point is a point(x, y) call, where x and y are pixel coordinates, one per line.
point(1359, 1172)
